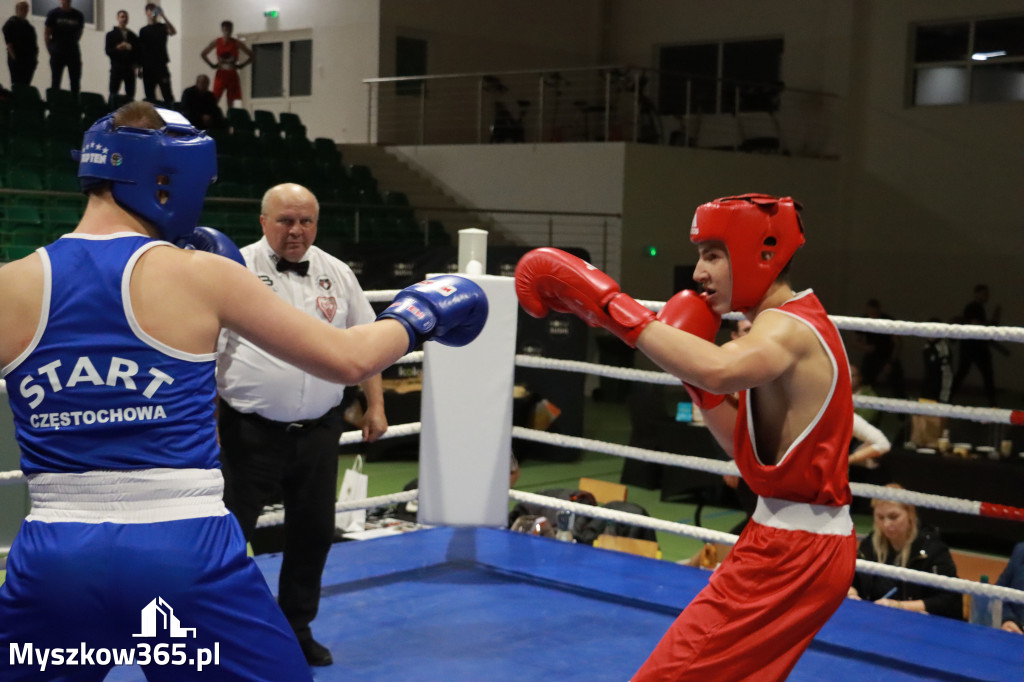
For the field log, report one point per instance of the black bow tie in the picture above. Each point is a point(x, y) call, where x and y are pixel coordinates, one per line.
point(301, 268)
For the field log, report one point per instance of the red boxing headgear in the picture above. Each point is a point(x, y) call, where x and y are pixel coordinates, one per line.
point(761, 234)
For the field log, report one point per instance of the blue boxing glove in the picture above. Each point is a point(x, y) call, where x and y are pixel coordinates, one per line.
point(213, 241)
point(448, 309)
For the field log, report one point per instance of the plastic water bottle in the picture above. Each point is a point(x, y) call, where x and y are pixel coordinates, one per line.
point(566, 521)
point(985, 610)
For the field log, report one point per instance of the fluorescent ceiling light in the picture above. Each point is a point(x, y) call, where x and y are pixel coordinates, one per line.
point(982, 56)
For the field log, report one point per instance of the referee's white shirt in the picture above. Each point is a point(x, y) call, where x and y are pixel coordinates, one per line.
point(250, 379)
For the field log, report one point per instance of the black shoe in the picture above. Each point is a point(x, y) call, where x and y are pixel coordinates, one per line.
point(316, 653)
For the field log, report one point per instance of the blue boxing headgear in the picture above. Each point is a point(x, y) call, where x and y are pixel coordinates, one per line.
point(161, 174)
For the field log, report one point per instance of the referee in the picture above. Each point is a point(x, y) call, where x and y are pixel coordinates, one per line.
point(279, 426)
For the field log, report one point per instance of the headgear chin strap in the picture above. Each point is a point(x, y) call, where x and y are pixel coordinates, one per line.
point(160, 174)
point(761, 234)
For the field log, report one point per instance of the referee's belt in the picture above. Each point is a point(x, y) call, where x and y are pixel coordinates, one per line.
point(298, 425)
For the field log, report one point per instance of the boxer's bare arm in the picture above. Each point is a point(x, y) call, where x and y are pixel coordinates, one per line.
point(21, 290)
point(758, 358)
point(183, 298)
point(781, 360)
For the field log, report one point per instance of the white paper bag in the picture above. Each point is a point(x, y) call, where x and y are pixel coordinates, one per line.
point(353, 487)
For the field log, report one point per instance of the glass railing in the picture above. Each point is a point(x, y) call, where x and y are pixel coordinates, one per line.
point(613, 103)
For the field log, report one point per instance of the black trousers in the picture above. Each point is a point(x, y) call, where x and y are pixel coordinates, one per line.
point(121, 73)
point(153, 76)
point(262, 460)
point(73, 62)
point(22, 70)
point(973, 352)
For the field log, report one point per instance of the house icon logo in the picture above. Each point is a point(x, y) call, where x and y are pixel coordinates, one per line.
point(158, 614)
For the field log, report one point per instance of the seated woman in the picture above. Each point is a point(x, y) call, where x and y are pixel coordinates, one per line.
point(898, 540)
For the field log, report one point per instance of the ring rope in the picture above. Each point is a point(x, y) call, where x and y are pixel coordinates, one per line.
point(979, 332)
point(396, 431)
point(347, 438)
point(985, 415)
point(939, 330)
point(276, 518)
point(870, 567)
point(721, 467)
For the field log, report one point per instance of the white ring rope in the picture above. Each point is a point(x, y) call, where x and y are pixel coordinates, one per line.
point(985, 415)
point(724, 468)
point(938, 330)
point(276, 518)
point(921, 329)
point(858, 324)
point(706, 535)
point(394, 431)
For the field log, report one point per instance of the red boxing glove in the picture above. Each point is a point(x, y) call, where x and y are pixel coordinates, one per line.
point(690, 312)
point(551, 279)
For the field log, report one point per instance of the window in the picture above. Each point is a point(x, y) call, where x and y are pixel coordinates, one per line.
point(267, 71)
point(410, 60)
point(717, 73)
point(40, 8)
point(300, 68)
point(281, 67)
point(968, 61)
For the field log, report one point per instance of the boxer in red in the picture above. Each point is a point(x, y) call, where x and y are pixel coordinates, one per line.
point(778, 400)
point(227, 49)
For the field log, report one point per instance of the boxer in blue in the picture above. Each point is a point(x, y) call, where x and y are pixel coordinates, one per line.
point(107, 344)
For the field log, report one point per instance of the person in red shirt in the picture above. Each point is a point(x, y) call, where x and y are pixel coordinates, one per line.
point(779, 402)
point(227, 49)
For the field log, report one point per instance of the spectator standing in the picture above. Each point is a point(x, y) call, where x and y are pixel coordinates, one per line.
point(22, 46)
point(62, 33)
point(200, 106)
point(122, 46)
point(880, 365)
point(227, 66)
point(153, 38)
point(279, 425)
point(938, 368)
point(975, 351)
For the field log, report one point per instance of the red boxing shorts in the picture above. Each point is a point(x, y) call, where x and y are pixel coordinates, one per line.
point(760, 609)
point(227, 79)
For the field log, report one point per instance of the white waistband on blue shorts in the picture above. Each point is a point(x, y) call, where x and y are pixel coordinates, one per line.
point(130, 496)
point(813, 518)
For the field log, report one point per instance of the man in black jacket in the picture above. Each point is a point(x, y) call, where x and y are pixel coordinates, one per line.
point(123, 49)
point(22, 48)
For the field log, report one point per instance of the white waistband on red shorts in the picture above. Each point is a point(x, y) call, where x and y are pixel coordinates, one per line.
point(129, 496)
point(813, 518)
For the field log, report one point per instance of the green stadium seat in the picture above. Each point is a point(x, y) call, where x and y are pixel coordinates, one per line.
point(61, 181)
point(235, 190)
point(27, 97)
point(63, 101)
point(290, 121)
point(60, 220)
point(94, 106)
point(24, 178)
point(395, 199)
point(19, 214)
point(239, 120)
point(362, 176)
point(28, 123)
point(266, 124)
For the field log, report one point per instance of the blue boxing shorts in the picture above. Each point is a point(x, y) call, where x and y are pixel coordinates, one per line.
point(178, 597)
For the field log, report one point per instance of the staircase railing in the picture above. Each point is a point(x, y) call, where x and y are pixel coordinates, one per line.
point(608, 103)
